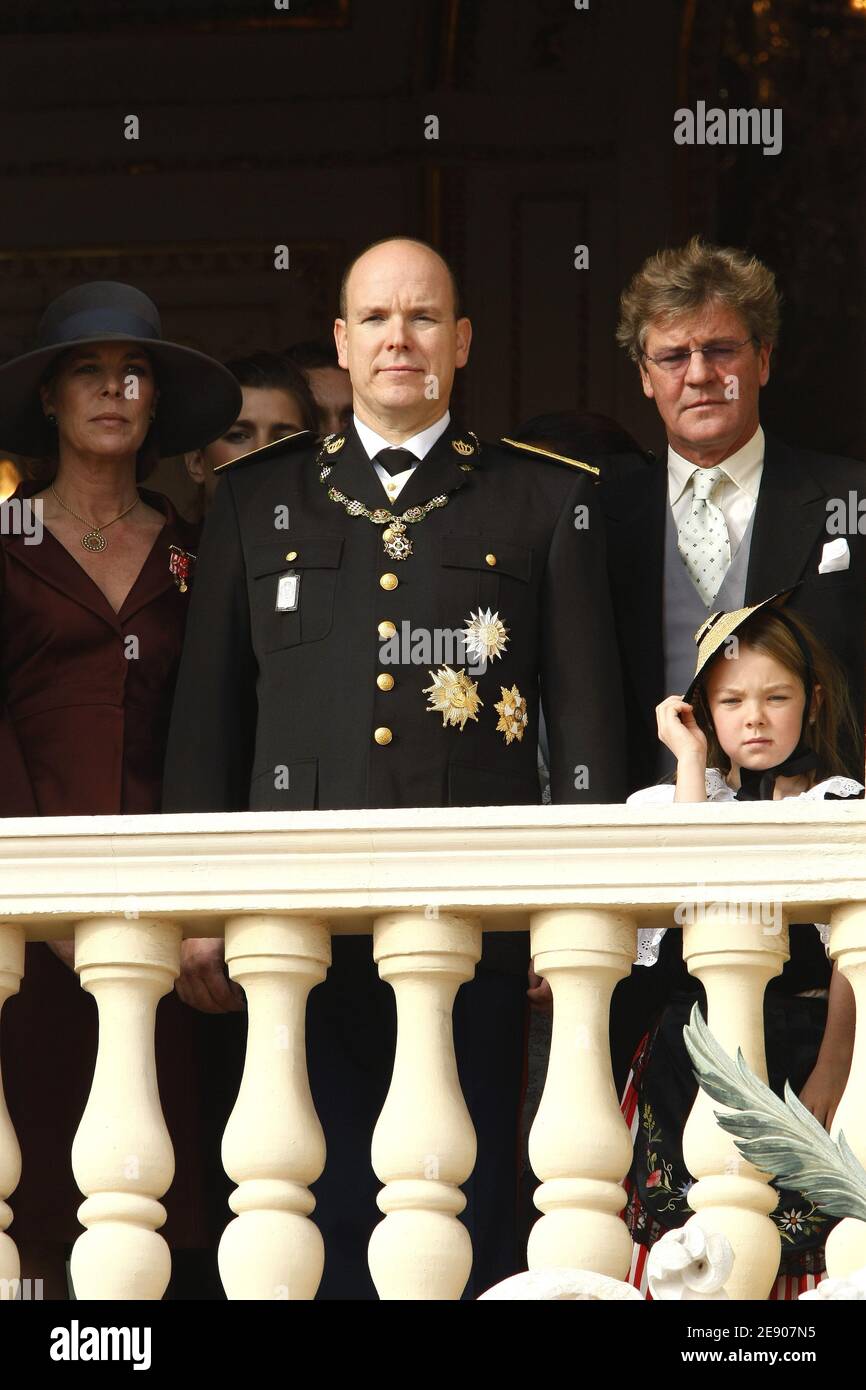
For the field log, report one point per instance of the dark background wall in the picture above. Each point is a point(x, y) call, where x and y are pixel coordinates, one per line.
point(305, 127)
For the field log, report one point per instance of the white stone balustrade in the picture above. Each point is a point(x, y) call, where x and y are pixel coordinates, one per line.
point(424, 885)
point(580, 1145)
point(846, 1244)
point(122, 1156)
point(273, 1145)
point(423, 1147)
point(734, 960)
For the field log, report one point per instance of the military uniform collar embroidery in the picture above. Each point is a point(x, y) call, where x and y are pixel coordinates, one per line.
point(347, 472)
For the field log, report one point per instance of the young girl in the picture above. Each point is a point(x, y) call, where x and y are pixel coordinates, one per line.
point(761, 720)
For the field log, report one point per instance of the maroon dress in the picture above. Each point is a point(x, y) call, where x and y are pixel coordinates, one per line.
point(83, 727)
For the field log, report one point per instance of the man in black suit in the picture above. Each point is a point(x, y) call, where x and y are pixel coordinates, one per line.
point(319, 673)
point(701, 323)
point(733, 517)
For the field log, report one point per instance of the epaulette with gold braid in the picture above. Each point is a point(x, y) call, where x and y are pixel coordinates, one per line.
point(554, 458)
point(279, 446)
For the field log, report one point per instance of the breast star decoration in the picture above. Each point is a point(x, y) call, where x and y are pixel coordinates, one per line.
point(454, 696)
point(513, 718)
point(486, 636)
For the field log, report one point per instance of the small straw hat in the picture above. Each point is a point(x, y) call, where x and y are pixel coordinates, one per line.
point(718, 627)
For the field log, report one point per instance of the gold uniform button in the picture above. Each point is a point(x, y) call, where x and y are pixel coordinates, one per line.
point(491, 559)
point(292, 555)
point(385, 681)
point(389, 581)
point(387, 629)
point(383, 736)
point(387, 533)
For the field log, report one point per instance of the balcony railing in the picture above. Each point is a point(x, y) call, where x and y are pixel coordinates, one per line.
point(425, 885)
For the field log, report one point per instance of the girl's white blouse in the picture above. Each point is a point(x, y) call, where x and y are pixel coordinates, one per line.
point(663, 793)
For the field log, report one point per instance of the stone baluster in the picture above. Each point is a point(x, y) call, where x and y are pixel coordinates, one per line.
point(424, 1141)
point(733, 959)
point(273, 1146)
point(580, 1146)
point(122, 1155)
point(11, 971)
point(846, 1244)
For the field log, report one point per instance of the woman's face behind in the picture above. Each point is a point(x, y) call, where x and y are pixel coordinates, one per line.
point(267, 414)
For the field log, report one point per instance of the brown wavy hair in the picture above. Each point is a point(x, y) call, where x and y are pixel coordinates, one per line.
point(835, 721)
point(679, 280)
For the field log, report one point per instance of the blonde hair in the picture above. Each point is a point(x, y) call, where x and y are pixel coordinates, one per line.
point(680, 280)
point(835, 722)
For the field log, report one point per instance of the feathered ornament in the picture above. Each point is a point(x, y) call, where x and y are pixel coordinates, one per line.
point(781, 1138)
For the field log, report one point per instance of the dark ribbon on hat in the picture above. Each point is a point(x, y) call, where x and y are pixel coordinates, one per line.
point(759, 785)
point(90, 323)
point(396, 461)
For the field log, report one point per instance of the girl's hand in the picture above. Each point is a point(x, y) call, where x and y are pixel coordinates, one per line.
point(823, 1091)
point(678, 729)
point(539, 993)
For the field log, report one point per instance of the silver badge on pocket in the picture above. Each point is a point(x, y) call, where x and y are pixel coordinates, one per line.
point(288, 589)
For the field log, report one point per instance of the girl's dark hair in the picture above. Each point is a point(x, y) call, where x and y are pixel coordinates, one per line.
point(43, 468)
point(835, 722)
point(272, 371)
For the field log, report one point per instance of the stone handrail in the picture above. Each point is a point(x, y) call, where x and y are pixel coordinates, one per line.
point(425, 884)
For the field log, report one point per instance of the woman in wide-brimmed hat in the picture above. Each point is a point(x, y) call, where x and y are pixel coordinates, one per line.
point(762, 719)
point(94, 586)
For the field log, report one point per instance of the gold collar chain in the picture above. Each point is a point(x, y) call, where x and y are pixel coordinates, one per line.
point(395, 538)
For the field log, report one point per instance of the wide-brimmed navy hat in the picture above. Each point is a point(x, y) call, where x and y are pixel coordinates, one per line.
point(198, 398)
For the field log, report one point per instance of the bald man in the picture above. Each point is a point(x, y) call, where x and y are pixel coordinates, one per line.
point(422, 574)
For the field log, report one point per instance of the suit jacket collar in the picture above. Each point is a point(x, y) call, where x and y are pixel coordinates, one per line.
point(790, 515)
point(52, 563)
point(445, 469)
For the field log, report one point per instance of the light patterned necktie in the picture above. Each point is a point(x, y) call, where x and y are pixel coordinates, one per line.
point(703, 537)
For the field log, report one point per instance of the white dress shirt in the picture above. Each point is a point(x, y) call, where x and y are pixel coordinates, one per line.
point(419, 444)
point(736, 496)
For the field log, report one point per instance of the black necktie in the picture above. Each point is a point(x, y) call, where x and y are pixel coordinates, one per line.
point(396, 460)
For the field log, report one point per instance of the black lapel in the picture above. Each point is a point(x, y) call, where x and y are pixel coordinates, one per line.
point(634, 492)
point(444, 470)
point(790, 517)
point(353, 472)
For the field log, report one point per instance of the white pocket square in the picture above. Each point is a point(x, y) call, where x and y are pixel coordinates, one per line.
point(835, 556)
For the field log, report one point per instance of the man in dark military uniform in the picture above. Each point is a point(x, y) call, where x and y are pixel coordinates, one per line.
point(373, 620)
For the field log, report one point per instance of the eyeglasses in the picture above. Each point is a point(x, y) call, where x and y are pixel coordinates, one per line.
point(714, 354)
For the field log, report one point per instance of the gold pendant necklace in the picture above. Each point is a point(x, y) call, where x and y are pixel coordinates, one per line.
point(93, 540)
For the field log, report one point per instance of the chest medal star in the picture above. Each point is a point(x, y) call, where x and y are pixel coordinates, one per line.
point(454, 696)
point(486, 636)
point(513, 718)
